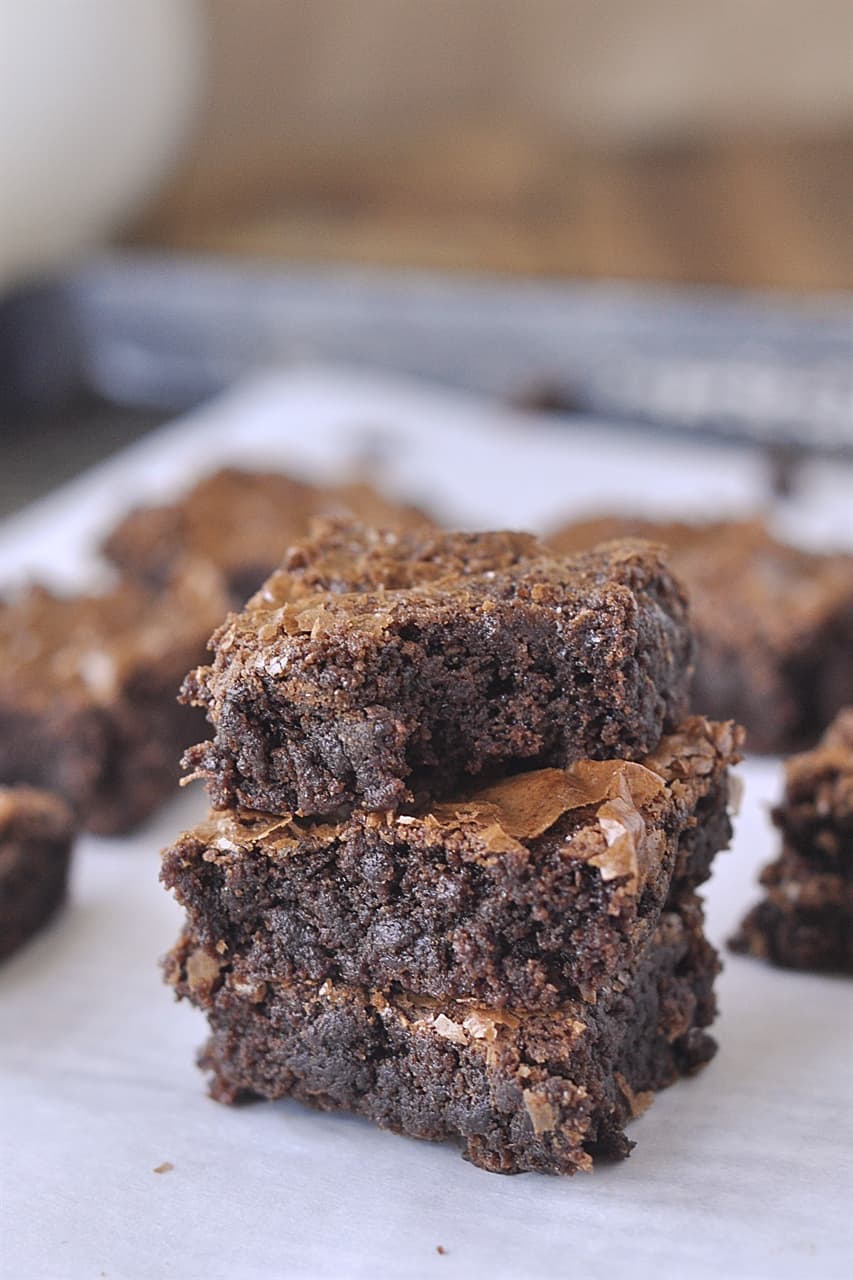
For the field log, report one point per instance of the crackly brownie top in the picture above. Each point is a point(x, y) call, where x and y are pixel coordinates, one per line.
point(242, 521)
point(743, 582)
point(818, 800)
point(29, 814)
point(606, 812)
point(87, 646)
point(348, 577)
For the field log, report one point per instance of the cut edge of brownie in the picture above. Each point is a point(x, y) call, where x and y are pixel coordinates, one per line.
point(519, 1091)
point(378, 668)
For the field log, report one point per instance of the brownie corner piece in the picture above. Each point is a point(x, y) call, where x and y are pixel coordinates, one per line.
point(36, 831)
point(378, 667)
point(805, 920)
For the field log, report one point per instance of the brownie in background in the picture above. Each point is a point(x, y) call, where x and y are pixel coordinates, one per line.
point(36, 831)
point(241, 523)
point(806, 919)
point(774, 624)
point(88, 693)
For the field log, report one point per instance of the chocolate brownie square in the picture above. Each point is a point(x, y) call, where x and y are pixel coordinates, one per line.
point(88, 693)
point(545, 1091)
point(36, 831)
point(806, 919)
point(774, 624)
point(374, 668)
point(526, 894)
point(241, 523)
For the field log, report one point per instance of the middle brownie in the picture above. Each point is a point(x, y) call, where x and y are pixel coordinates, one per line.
point(375, 668)
point(526, 894)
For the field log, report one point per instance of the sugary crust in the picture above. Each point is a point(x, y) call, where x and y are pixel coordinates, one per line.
point(528, 893)
point(35, 848)
point(241, 523)
point(375, 668)
point(88, 688)
point(518, 1091)
point(774, 624)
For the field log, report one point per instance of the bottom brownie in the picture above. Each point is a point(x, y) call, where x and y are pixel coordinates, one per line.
point(35, 850)
point(519, 1091)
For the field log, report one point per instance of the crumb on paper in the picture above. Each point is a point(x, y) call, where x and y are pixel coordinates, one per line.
point(165, 1167)
point(439, 1248)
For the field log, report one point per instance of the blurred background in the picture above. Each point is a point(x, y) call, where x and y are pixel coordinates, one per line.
point(161, 155)
point(663, 139)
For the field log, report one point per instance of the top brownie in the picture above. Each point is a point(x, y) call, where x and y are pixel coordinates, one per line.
point(774, 623)
point(374, 668)
point(241, 522)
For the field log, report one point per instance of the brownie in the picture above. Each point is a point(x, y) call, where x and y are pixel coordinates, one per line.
point(36, 830)
point(527, 893)
point(544, 1091)
point(88, 693)
point(241, 523)
point(806, 919)
point(374, 668)
point(774, 624)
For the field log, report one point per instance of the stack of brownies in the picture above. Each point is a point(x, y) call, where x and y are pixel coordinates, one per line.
point(450, 878)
